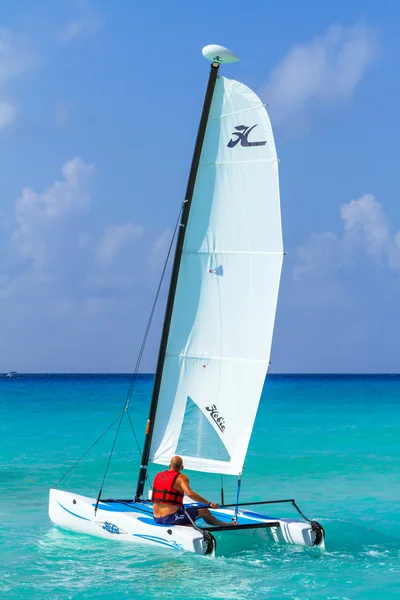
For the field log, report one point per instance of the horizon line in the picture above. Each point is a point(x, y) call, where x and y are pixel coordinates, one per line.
point(351, 374)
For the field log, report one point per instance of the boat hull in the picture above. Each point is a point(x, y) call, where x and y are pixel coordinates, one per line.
point(119, 522)
point(134, 523)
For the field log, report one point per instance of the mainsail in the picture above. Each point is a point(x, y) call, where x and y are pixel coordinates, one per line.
point(221, 328)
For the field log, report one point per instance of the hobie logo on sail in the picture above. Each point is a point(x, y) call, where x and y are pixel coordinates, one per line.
point(220, 421)
point(242, 132)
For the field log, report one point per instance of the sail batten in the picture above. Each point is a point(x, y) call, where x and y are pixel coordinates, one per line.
point(228, 358)
point(266, 253)
point(221, 328)
point(237, 162)
point(238, 112)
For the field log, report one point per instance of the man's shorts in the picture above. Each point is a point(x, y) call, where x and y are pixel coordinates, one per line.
point(179, 518)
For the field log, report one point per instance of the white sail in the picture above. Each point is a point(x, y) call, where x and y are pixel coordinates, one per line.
point(222, 323)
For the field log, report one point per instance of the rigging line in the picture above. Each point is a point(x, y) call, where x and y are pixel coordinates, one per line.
point(137, 443)
point(134, 433)
point(138, 361)
point(87, 451)
point(109, 460)
point(152, 313)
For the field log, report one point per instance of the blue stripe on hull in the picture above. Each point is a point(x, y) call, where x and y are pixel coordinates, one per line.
point(72, 513)
point(157, 540)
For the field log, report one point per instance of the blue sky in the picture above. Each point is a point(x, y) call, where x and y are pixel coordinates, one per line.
point(99, 107)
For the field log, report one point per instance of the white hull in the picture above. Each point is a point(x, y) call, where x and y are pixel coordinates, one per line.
point(129, 524)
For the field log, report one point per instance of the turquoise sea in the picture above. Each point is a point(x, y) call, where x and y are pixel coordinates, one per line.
point(330, 442)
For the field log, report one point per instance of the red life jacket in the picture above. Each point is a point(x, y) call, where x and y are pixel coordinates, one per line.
point(163, 490)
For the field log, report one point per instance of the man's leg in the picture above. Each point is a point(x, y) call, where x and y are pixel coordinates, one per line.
point(205, 514)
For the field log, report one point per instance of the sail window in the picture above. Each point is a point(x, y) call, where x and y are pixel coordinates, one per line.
point(198, 437)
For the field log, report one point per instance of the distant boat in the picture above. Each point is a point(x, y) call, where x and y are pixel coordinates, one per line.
point(13, 374)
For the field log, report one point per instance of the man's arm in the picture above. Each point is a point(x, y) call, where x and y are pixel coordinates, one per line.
point(183, 482)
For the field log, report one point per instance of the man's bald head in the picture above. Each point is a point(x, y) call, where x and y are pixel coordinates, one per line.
point(176, 463)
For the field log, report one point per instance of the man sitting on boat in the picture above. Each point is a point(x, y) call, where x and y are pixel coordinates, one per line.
point(168, 490)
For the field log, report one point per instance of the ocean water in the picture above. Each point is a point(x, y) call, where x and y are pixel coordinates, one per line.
point(332, 443)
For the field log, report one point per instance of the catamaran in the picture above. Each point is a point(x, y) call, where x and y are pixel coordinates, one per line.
point(217, 333)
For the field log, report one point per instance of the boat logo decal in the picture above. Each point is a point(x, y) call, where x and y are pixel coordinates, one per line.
point(219, 421)
point(110, 527)
point(242, 133)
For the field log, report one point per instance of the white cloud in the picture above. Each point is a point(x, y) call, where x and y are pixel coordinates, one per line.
point(367, 214)
point(366, 235)
point(88, 22)
point(70, 281)
point(323, 72)
point(52, 244)
point(15, 58)
point(115, 238)
point(158, 253)
point(161, 245)
point(63, 113)
point(7, 114)
point(38, 214)
point(60, 198)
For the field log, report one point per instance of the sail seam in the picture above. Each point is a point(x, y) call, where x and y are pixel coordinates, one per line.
point(217, 252)
point(238, 112)
point(224, 358)
point(204, 461)
point(239, 162)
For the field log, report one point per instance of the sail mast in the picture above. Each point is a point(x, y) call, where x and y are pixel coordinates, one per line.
point(174, 276)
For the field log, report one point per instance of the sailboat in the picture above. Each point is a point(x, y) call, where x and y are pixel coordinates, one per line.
point(217, 333)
